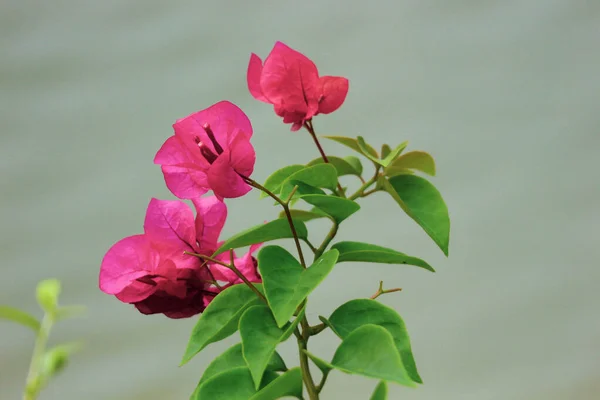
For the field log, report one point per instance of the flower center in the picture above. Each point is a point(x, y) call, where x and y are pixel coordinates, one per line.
point(204, 150)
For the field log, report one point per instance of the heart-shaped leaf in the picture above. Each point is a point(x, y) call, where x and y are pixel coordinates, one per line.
point(337, 207)
point(287, 384)
point(233, 358)
point(365, 252)
point(233, 384)
point(274, 181)
point(342, 165)
point(286, 282)
point(220, 318)
point(424, 204)
point(260, 336)
point(276, 229)
point(417, 160)
point(356, 313)
point(370, 351)
point(319, 176)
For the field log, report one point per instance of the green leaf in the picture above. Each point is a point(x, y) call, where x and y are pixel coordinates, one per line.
point(418, 160)
point(303, 215)
point(20, 317)
point(355, 163)
point(233, 384)
point(233, 358)
point(365, 252)
point(323, 365)
point(286, 282)
point(277, 229)
point(356, 313)
point(353, 144)
point(380, 392)
point(220, 318)
point(260, 336)
point(385, 150)
point(370, 351)
point(364, 148)
point(47, 293)
point(303, 188)
point(338, 207)
point(55, 359)
point(287, 384)
point(387, 160)
point(424, 204)
point(342, 165)
point(319, 176)
point(274, 181)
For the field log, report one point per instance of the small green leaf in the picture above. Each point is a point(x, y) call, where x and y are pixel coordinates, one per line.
point(353, 144)
point(364, 148)
point(303, 188)
point(274, 181)
point(233, 384)
point(56, 359)
point(380, 392)
point(233, 358)
point(385, 150)
point(47, 294)
point(323, 365)
point(277, 229)
point(424, 204)
point(319, 176)
point(387, 160)
point(342, 165)
point(287, 384)
point(303, 215)
point(370, 351)
point(260, 337)
point(355, 163)
point(221, 317)
point(356, 313)
point(20, 317)
point(365, 252)
point(418, 160)
point(286, 282)
point(338, 207)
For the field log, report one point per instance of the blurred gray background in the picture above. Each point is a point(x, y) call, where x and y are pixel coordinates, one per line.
point(504, 94)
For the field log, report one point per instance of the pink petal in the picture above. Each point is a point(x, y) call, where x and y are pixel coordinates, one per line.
point(211, 214)
point(172, 222)
point(290, 77)
point(183, 170)
point(224, 180)
point(242, 154)
point(185, 182)
point(127, 260)
point(136, 291)
point(225, 120)
point(334, 90)
point(246, 265)
point(253, 78)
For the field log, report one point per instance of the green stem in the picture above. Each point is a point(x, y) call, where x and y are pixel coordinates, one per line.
point(34, 382)
point(311, 388)
point(361, 190)
point(288, 215)
point(309, 127)
point(327, 240)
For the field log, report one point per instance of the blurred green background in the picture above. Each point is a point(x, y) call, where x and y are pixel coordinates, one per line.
point(504, 94)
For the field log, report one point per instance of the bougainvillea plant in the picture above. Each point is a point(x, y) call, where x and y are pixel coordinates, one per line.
point(180, 267)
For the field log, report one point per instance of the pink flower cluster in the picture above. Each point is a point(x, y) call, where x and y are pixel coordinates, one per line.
point(210, 150)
